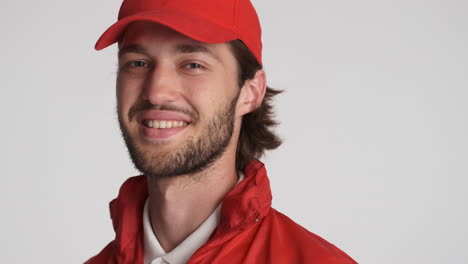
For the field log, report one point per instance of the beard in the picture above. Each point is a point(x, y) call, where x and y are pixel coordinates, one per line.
point(196, 154)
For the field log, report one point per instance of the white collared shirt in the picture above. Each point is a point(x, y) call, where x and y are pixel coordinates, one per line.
point(154, 253)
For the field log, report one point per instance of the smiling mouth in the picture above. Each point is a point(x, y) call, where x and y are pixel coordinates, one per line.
point(164, 124)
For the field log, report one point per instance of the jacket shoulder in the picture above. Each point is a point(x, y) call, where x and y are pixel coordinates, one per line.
point(300, 242)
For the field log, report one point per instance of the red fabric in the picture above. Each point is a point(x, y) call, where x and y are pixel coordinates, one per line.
point(250, 231)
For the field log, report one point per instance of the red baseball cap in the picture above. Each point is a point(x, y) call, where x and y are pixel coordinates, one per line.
point(209, 21)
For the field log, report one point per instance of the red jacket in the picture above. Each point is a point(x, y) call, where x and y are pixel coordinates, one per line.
point(250, 231)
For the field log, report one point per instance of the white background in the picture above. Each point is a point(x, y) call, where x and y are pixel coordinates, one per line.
point(374, 117)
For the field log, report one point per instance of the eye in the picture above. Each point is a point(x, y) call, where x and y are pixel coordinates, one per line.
point(193, 65)
point(134, 66)
point(137, 64)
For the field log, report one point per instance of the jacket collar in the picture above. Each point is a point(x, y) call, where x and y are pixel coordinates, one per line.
point(249, 200)
point(246, 203)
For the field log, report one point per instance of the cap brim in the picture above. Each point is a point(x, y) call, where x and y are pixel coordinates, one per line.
point(190, 25)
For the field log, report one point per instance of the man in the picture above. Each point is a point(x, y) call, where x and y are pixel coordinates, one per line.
point(196, 114)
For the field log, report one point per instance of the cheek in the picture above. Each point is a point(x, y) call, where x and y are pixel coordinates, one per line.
point(127, 94)
point(211, 88)
point(210, 96)
point(203, 94)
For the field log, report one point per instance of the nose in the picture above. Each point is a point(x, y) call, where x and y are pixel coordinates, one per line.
point(160, 86)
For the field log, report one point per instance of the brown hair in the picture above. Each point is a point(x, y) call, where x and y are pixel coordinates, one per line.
point(256, 134)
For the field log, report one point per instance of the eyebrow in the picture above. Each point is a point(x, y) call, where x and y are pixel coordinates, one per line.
point(180, 49)
point(193, 48)
point(132, 49)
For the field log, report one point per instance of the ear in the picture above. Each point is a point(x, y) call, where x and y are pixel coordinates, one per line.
point(251, 94)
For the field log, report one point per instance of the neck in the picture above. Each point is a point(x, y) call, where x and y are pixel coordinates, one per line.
point(179, 205)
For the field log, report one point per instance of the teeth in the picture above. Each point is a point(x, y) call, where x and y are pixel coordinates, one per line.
point(164, 123)
point(148, 123)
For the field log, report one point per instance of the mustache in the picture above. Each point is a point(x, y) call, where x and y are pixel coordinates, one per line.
point(145, 105)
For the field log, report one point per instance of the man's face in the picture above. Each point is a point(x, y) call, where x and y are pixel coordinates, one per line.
point(176, 99)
